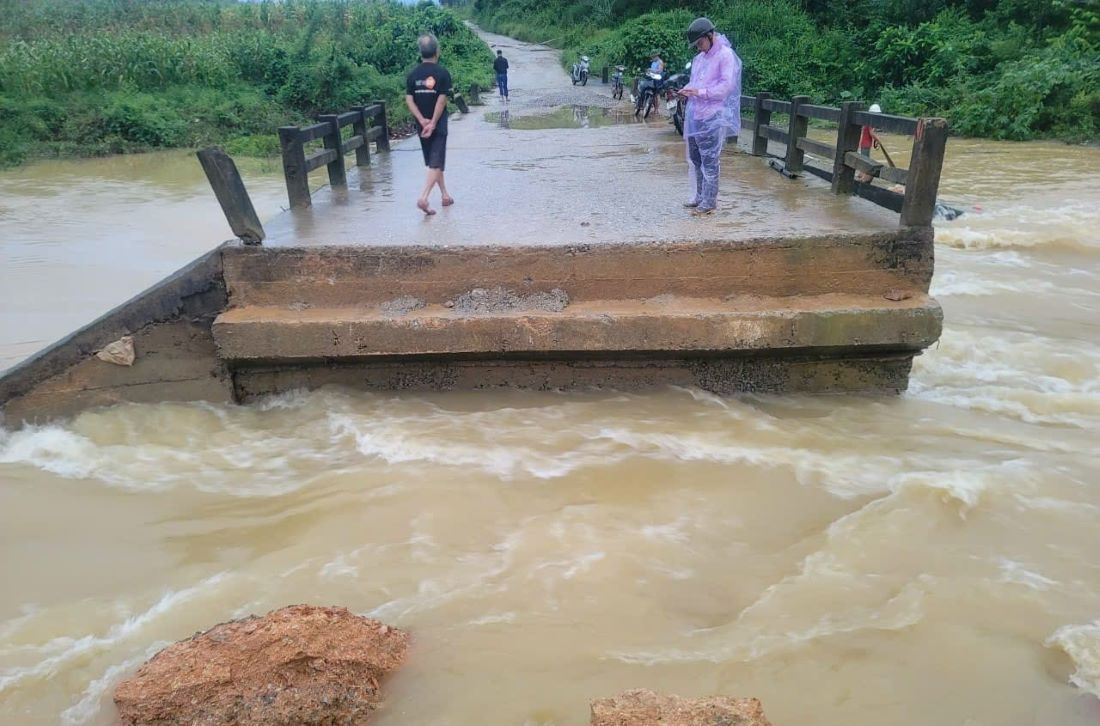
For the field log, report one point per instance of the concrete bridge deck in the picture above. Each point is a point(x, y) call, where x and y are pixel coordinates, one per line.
point(568, 165)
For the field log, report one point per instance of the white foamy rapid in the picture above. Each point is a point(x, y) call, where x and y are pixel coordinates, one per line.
point(1082, 644)
point(63, 650)
point(387, 436)
point(1047, 220)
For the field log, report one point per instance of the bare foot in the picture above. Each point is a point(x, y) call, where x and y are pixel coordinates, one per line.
point(448, 201)
point(422, 205)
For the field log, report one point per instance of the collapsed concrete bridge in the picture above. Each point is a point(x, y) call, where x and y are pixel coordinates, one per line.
point(330, 298)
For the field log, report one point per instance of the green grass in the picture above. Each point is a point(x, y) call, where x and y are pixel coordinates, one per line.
point(88, 77)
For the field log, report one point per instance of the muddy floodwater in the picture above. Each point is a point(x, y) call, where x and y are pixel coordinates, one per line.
point(930, 558)
point(79, 237)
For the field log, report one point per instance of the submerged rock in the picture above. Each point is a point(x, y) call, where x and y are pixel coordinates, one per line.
point(302, 665)
point(646, 708)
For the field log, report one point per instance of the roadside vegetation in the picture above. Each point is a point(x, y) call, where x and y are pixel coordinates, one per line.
point(1003, 69)
point(90, 77)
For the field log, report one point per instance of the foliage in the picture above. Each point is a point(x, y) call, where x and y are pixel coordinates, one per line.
point(1012, 69)
point(103, 76)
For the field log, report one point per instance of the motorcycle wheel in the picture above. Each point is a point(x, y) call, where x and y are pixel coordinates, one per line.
point(652, 104)
point(678, 122)
point(643, 101)
point(584, 79)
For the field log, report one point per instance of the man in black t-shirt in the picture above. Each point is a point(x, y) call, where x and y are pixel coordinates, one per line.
point(427, 89)
point(500, 65)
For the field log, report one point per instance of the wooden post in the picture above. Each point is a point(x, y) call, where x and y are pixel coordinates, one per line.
point(847, 139)
point(461, 103)
point(228, 187)
point(384, 139)
point(359, 128)
point(606, 75)
point(762, 117)
point(294, 166)
point(796, 130)
point(923, 182)
point(336, 174)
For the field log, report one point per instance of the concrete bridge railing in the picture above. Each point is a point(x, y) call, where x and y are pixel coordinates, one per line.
point(368, 123)
point(921, 180)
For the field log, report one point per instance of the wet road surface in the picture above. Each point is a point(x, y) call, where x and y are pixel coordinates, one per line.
point(562, 165)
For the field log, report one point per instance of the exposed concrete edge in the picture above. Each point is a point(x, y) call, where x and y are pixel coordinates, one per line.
point(868, 372)
point(902, 234)
point(162, 302)
point(911, 325)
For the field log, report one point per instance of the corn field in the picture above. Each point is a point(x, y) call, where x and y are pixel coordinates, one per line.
point(93, 69)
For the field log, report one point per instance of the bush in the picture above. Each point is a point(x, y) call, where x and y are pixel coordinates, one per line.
point(141, 120)
point(1053, 91)
point(256, 145)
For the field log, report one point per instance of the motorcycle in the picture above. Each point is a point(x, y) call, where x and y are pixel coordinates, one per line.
point(580, 71)
point(617, 83)
point(649, 90)
point(674, 102)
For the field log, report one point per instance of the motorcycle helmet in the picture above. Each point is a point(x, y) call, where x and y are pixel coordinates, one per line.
point(875, 108)
point(698, 28)
point(584, 58)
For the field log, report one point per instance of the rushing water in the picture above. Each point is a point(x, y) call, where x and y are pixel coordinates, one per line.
point(929, 558)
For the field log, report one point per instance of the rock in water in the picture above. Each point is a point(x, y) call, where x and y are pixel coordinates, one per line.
point(646, 708)
point(302, 665)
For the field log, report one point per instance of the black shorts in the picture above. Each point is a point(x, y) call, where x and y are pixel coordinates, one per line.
point(435, 151)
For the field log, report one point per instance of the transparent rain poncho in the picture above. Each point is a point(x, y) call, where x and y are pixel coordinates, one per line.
point(711, 117)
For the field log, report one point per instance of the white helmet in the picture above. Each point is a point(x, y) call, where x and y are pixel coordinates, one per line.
point(875, 108)
point(584, 58)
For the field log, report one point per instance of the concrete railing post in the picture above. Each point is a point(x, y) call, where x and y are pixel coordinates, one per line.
point(923, 182)
point(384, 139)
point(294, 166)
point(336, 174)
point(359, 128)
point(796, 130)
point(761, 117)
point(847, 139)
point(228, 187)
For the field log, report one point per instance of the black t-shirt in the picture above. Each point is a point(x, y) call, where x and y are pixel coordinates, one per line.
point(426, 83)
point(500, 65)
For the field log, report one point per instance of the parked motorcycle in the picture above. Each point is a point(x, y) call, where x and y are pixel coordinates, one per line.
point(580, 71)
point(649, 89)
point(617, 83)
point(674, 102)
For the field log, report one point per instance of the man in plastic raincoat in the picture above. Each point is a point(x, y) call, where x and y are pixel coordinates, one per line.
point(713, 110)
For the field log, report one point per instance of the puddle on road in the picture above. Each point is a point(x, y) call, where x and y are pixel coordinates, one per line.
point(569, 117)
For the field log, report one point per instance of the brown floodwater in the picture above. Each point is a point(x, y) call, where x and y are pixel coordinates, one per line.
point(79, 237)
point(927, 558)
